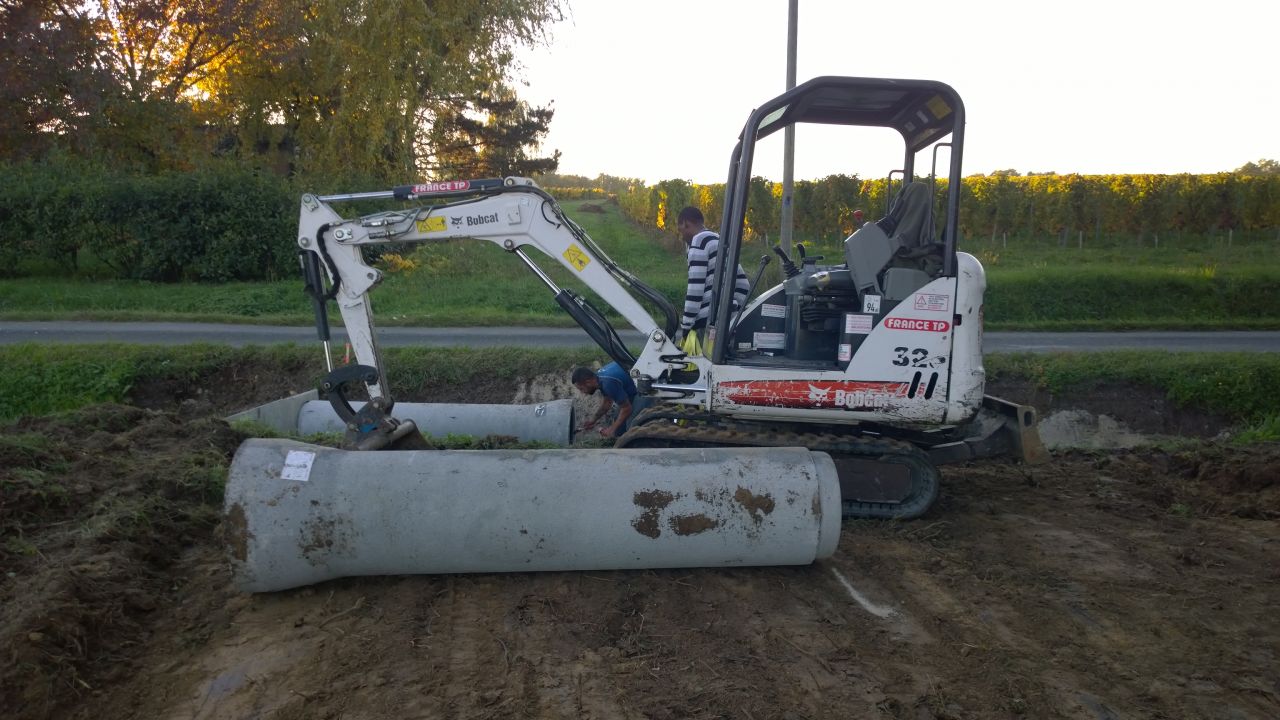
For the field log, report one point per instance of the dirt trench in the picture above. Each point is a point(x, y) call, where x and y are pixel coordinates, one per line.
point(1108, 584)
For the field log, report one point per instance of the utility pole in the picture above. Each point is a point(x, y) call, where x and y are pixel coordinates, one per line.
point(789, 136)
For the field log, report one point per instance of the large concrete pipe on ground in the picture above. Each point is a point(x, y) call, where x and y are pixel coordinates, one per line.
point(549, 422)
point(298, 514)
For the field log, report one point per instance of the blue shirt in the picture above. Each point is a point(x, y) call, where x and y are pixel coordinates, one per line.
point(616, 384)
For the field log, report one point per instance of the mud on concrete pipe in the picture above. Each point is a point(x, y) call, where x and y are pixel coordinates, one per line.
point(549, 422)
point(298, 514)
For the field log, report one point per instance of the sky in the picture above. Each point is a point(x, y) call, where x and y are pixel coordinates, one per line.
point(660, 89)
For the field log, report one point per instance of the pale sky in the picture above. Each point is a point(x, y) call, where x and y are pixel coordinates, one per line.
point(660, 89)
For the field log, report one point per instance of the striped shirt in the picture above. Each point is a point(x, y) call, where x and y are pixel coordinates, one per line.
point(702, 280)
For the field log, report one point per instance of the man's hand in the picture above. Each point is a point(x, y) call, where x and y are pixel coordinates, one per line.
point(608, 431)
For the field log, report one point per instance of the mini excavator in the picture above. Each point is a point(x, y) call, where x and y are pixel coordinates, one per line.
point(875, 359)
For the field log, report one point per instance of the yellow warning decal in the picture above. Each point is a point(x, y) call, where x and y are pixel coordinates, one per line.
point(938, 107)
point(431, 224)
point(576, 257)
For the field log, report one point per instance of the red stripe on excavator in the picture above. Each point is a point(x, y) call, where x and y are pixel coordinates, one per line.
point(836, 394)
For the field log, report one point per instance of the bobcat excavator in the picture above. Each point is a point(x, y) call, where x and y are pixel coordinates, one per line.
point(874, 358)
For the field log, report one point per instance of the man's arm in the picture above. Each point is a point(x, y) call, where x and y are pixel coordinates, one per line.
point(605, 403)
point(624, 412)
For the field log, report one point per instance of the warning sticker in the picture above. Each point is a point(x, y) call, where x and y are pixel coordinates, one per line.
point(855, 324)
point(297, 465)
point(938, 107)
point(578, 259)
point(770, 341)
point(846, 352)
point(430, 225)
point(871, 304)
point(929, 301)
point(774, 311)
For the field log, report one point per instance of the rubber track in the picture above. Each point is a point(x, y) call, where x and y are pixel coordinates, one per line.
point(651, 432)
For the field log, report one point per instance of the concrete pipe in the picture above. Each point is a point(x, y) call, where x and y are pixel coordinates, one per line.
point(549, 422)
point(298, 514)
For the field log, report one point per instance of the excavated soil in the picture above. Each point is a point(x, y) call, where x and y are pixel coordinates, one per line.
point(1106, 584)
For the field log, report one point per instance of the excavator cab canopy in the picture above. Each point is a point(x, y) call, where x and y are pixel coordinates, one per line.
point(921, 111)
point(925, 113)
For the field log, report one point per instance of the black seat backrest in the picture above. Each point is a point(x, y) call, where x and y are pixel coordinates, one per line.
point(910, 218)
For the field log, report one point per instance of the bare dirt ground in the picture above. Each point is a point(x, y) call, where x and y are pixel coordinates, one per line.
point(1107, 584)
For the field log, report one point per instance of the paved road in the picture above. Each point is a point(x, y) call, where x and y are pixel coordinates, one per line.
point(182, 333)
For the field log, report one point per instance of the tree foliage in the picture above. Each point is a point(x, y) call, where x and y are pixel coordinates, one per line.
point(489, 137)
point(1004, 203)
point(362, 89)
point(1262, 167)
point(222, 222)
point(321, 88)
point(55, 78)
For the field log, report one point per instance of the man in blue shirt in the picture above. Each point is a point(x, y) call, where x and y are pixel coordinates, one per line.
point(617, 388)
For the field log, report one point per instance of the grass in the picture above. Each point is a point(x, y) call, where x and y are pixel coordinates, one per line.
point(28, 449)
point(50, 378)
point(1113, 284)
point(47, 379)
point(52, 298)
point(1265, 429)
point(1132, 297)
point(1239, 386)
point(1194, 254)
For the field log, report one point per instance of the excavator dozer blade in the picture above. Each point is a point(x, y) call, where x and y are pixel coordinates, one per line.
point(1000, 429)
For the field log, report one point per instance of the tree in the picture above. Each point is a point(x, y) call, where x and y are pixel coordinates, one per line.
point(164, 49)
point(491, 136)
point(359, 88)
point(339, 88)
point(116, 78)
point(56, 77)
point(1262, 167)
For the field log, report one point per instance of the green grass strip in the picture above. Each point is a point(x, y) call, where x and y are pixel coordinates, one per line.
point(1240, 386)
point(1132, 296)
point(44, 379)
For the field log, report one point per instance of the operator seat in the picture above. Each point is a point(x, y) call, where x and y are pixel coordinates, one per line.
point(906, 232)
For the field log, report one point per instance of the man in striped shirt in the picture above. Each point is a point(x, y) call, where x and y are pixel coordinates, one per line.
point(702, 244)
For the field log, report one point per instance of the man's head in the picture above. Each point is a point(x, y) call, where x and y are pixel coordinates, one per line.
point(585, 380)
point(689, 223)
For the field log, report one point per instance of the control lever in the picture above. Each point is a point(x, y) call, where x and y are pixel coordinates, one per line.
point(788, 268)
point(807, 262)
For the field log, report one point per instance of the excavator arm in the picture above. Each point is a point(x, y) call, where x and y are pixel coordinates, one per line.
point(512, 213)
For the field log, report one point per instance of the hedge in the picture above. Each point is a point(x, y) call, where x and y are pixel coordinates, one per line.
point(218, 223)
